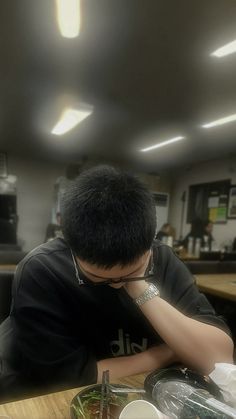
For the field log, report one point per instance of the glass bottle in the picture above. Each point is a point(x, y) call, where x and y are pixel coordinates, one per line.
point(190, 245)
point(197, 248)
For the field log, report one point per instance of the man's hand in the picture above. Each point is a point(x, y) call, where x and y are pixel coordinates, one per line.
point(136, 288)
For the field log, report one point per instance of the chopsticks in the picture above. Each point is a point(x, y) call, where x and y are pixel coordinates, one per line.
point(105, 393)
point(126, 389)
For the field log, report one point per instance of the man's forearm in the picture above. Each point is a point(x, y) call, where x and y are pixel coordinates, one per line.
point(149, 360)
point(197, 344)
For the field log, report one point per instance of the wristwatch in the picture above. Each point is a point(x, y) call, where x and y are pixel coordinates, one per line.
point(151, 292)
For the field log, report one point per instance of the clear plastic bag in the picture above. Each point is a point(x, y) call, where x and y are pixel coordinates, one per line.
point(180, 400)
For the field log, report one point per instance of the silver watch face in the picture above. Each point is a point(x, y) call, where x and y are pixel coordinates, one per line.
point(151, 292)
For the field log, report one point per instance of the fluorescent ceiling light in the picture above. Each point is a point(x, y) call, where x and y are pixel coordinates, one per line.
point(68, 16)
point(172, 140)
point(225, 50)
point(220, 121)
point(69, 119)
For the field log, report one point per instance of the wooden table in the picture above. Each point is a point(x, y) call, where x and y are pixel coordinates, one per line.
point(55, 405)
point(221, 285)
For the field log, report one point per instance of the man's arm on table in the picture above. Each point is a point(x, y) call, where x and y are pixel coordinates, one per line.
point(156, 357)
point(196, 344)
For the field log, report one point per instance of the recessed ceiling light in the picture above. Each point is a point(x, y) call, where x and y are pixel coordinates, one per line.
point(227, 49)
point(220, 121)
point(69, 119)
point(68, 16)
point(164, 143)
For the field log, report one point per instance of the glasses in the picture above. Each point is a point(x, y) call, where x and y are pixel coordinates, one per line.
point(84, 280)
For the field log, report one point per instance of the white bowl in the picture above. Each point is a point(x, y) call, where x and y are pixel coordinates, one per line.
point(141, 409)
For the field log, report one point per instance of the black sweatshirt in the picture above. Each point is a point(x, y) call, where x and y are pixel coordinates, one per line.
point(61, 328)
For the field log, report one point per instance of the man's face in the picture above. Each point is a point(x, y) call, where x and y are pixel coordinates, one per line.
point(98, 275)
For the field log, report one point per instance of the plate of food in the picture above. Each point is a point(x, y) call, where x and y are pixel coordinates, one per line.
point(87, 403)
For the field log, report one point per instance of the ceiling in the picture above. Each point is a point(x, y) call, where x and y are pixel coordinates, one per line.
point(144, 66)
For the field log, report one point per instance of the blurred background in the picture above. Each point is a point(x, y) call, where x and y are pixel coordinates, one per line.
point(89, 82)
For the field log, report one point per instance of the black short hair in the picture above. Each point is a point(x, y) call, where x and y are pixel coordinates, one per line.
point(108, 217)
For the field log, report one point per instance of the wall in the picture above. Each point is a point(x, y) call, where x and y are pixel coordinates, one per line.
point(35, 186)
point(156, 183)
point(34, 198)
point(205, 172)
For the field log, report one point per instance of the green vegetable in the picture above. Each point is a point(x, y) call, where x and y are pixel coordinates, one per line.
point(89, 404)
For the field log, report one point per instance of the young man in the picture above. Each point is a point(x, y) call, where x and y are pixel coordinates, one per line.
point(108, 297)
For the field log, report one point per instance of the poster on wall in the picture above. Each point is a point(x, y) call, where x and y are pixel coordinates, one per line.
point(217, 206)
point(232, 202)
point(209, 201)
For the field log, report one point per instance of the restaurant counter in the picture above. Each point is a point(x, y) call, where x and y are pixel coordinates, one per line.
point(211, 266)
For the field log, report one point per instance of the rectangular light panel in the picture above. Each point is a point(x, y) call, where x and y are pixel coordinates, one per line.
point(227, 49)
point(69, 119)
point(162, 144)
point(68, 17)
point(220, 121)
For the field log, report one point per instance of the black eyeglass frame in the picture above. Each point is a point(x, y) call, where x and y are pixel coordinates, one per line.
point(113, 281)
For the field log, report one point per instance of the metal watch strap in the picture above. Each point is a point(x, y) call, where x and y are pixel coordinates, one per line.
point(151, 292)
